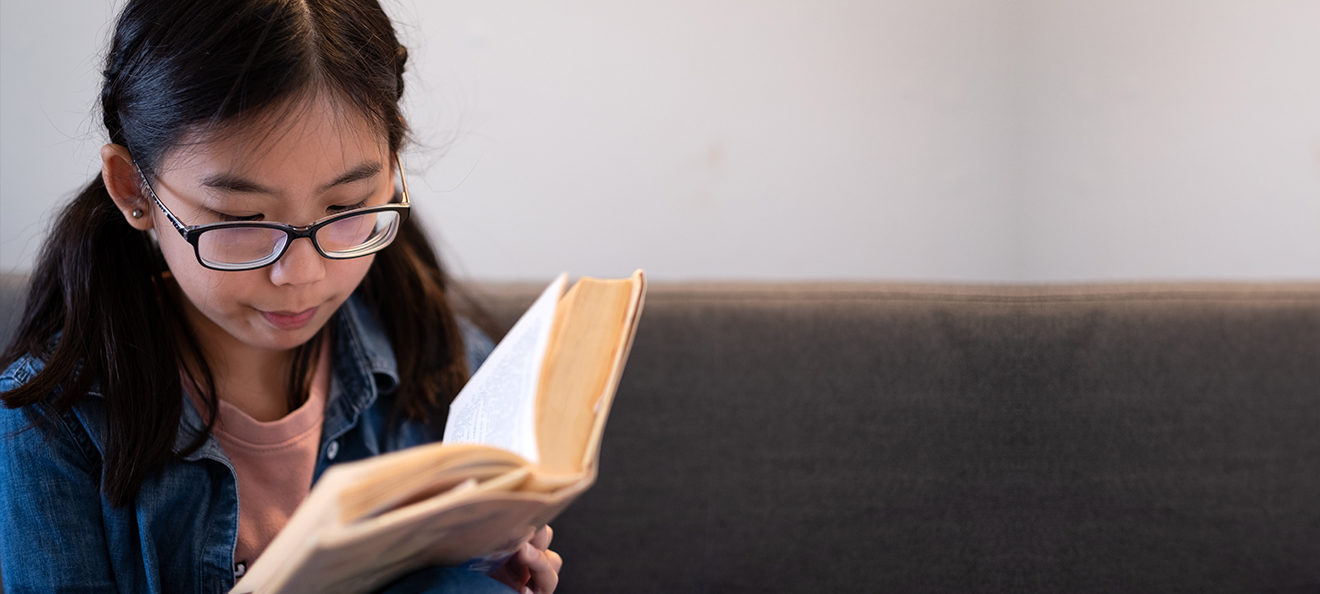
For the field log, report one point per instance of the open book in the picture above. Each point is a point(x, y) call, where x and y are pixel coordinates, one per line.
point(521, 442)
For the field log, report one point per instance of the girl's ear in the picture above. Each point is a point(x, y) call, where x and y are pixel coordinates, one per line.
point(124, 186)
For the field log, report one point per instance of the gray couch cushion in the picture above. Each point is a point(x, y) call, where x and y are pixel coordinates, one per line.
point(961, 439)
point(11, 303)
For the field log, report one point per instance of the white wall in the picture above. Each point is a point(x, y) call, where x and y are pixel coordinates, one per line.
point(50, 63)
point(1170, 138)
point(892, 139)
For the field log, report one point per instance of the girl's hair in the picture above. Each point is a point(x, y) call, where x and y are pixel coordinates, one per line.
point(99, 309)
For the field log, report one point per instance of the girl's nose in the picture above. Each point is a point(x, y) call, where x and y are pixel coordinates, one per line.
point(301, 264)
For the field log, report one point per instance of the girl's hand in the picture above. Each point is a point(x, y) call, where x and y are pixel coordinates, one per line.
point(534, 569)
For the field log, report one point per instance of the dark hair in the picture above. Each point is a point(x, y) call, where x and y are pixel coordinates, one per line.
point(176, 68)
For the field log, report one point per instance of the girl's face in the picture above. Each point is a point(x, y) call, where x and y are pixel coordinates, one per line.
point(321, 159)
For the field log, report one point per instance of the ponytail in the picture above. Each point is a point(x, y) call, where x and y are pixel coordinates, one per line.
point(97, 287)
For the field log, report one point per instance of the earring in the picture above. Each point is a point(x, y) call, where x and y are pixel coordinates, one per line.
point(137, 213)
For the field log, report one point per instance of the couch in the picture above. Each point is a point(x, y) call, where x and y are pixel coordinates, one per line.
point(888, 437)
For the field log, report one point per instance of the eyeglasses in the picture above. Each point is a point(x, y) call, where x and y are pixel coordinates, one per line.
point(248, 245)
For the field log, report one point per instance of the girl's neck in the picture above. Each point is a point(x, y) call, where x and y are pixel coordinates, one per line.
point(256, 381)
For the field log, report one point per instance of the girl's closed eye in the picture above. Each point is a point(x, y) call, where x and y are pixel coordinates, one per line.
point(338, 208)
point(228, 218)
point(224, 217)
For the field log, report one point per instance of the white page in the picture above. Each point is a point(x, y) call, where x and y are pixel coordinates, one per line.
point(497, 407)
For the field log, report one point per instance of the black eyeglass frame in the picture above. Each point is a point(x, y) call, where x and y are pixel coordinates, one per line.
point(193, 233)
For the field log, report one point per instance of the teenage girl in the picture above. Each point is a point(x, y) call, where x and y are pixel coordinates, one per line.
point(238, 301)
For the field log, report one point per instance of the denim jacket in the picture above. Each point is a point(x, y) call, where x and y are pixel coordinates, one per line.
point(59, 533)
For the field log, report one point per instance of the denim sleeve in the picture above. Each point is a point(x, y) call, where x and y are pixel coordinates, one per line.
point(50, 506)
point(446, 580)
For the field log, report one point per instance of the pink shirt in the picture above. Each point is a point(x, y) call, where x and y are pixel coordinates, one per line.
point(274, 461)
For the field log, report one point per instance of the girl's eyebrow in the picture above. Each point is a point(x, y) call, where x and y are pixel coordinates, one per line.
point(361, 172)
point(233, 183)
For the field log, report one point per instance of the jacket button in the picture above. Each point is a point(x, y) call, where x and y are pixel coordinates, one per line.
point(331, 450)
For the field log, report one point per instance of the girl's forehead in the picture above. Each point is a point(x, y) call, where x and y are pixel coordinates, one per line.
point(314, 133)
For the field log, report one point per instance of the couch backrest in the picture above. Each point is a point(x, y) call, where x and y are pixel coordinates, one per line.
point(902, 438)
point(11, 303)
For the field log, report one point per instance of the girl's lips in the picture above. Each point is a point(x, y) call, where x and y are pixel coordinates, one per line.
point(285, 320)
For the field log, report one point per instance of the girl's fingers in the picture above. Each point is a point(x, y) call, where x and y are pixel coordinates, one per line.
point(534, 568)
point(556, 561)
point(544, 568)
point(541, 539)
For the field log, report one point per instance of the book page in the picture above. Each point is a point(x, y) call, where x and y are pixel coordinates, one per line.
point(497, 407)
point(581, 368)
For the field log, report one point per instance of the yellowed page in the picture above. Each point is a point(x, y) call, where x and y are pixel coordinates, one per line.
point(593, 331)
point(488, 518)
point(420, 473)
point(357, 489)
point(637, 302)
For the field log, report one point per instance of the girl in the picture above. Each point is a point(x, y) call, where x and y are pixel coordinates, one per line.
point(238, 301)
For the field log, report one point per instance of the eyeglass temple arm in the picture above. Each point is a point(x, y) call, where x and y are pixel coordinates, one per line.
point(403, 181)
point(178, 225)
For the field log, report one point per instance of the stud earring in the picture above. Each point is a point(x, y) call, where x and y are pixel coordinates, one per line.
point(137, 213)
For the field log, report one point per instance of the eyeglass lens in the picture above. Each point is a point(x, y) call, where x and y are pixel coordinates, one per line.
point(350, 236)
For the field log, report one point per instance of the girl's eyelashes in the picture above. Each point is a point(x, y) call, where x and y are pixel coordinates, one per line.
point(336, 209)
point(332, 209)
point(228, 218)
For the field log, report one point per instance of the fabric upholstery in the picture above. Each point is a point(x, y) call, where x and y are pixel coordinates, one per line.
point(956, 438)
point(899, 438)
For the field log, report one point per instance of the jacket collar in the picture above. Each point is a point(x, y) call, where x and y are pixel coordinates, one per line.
point(364, 368)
